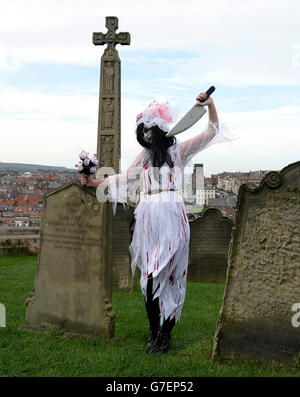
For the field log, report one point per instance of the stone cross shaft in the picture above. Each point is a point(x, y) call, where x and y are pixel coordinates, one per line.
point(109, 116)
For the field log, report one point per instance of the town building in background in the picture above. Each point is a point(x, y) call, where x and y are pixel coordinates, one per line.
point(219, 191)
point(21, 199)
point(22, 188)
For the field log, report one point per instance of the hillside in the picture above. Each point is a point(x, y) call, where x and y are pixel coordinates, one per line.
point(33, 168)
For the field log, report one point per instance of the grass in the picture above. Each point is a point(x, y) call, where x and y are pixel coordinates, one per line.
point(26, 354)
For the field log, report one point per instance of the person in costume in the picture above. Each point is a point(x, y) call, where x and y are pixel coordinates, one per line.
point(160, 241)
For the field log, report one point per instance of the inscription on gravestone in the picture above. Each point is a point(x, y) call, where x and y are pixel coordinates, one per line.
point(209, 243)
point(263, 278)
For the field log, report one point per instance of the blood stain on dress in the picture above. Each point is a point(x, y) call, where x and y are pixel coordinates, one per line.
point(184, 215)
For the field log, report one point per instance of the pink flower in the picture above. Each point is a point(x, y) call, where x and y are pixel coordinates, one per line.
point(94, 160)
point(139, 116)
point(83, 155)
point(156, 110)
point(79, 167)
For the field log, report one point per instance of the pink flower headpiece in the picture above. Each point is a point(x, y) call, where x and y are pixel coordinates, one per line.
point(160, 114)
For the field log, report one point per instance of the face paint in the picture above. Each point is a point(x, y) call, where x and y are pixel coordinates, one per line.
point(147, 135)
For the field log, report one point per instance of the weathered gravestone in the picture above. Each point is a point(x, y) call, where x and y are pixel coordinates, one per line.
point(209, 243)
point(121, 259)
point(73, 279)
point(263, 279)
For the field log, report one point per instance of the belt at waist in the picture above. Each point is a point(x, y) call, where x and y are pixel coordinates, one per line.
point(156, 191)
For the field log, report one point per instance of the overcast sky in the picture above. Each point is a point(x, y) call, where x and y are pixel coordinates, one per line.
point(249, 50)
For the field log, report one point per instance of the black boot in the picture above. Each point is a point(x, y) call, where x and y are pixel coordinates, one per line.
point(153, 312)
point(161, 345)
point(152, 338)
point(163, 341)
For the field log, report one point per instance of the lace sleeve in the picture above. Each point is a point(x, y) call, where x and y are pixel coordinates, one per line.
point(124, 187)
point(212, 135)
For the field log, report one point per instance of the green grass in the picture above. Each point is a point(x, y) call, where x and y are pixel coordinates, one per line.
point(24, 353)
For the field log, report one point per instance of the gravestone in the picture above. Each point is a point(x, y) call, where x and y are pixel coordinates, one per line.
point(260, 311)
point(121, 262)
point(209, 244)
point(73, 279)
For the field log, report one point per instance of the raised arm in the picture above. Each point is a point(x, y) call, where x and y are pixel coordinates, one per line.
point(129, 173)
point(122, 187)
point(191, 147)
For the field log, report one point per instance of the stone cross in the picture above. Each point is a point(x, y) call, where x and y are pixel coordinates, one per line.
point(77, 229)
point(109, 116)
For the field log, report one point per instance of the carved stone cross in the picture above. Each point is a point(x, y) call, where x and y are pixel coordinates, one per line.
point(109, 124)
point(85, 260)
point(111, 38)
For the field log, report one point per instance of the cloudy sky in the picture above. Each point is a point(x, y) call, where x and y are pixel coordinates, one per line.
point(249, 50)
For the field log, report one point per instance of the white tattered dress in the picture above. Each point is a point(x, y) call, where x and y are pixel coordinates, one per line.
point(160, 242)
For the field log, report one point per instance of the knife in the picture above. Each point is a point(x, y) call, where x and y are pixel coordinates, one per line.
point(191, 117)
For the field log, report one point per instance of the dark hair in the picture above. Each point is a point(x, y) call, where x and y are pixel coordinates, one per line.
point(158, 146)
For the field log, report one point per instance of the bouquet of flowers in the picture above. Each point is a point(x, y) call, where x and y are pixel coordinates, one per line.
point(87, 165)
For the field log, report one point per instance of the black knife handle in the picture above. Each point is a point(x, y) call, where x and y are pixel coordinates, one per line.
point(208, 93)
